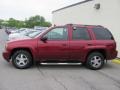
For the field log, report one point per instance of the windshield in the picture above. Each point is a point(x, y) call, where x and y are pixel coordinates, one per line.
point(24, 32)
point(20, 30)
point(29, 32)
point(34, 34)
point(43, 32)
point(37, 33)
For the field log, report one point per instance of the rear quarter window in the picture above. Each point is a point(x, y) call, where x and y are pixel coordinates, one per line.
point(102, 34)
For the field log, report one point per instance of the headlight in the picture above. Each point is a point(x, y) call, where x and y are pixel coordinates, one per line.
point(6, 46)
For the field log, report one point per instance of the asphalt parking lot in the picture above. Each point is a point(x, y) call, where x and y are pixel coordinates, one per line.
point(47, 77)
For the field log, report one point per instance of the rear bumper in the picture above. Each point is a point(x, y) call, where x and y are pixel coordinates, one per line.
point(6, 55)
point(112, 55)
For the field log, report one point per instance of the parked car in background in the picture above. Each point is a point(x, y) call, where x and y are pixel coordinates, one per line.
point(8, 30)
point(28, 35)
point(88, 44)
point(11, 31)
point(16, 35)
point(40, 28)
point(18, 31)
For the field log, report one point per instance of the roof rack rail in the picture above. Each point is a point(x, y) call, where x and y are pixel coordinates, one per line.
point(99, 26)
point(69, 24)
point(84, 25)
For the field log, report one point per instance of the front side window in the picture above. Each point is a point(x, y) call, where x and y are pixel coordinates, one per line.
point(57, 34)
point(80, 33)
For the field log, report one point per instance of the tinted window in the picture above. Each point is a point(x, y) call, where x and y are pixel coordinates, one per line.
point(102, 34)
point(80, 34)
point(57, 34)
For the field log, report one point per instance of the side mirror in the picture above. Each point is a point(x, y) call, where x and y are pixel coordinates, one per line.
point(44, 39)
point(74, 28)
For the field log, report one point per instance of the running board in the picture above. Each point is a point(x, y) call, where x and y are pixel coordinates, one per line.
point(60, 63)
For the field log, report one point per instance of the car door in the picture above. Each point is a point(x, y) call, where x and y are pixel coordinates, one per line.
point(56, 46)
point(79, 40)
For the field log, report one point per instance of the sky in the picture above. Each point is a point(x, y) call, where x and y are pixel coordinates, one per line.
point(21, 9)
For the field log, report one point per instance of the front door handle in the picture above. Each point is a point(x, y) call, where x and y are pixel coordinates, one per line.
point(64, 44)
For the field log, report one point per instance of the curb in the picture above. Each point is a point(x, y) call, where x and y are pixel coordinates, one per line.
point(117, 60)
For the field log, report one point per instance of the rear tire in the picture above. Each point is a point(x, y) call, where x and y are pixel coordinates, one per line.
point(95, 61)
point(22, 59)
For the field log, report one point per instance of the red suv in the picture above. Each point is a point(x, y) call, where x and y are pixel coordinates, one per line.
point(88, 44)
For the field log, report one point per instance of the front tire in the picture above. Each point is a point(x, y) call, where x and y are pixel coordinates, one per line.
point(22, 59)
point(95, 61)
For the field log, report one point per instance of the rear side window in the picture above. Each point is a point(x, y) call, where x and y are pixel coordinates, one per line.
point(80, 33)
point(102, 34)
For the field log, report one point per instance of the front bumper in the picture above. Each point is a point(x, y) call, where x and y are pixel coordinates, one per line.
point(6, 55)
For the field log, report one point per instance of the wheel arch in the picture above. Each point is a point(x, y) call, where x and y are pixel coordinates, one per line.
point(26, 49)
point(102, 51)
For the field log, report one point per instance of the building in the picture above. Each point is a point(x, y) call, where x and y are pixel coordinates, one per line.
point(92, 12)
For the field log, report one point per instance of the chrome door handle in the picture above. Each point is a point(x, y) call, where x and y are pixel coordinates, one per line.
point(89, 44)
point(64, 44)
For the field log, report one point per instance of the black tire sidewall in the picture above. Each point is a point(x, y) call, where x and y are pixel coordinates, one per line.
point(27, 54)
point(88, 62)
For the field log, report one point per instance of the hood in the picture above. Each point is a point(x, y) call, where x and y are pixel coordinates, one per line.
point(20, 39)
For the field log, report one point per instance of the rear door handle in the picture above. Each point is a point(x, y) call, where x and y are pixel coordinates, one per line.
point(64, 44)
point(90, 44)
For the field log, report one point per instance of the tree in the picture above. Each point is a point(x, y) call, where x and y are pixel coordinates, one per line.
point(20, 24)
point(47, 24)
point(37, 21)
point(32, 21)
point(12, 22)
point(1, 21)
